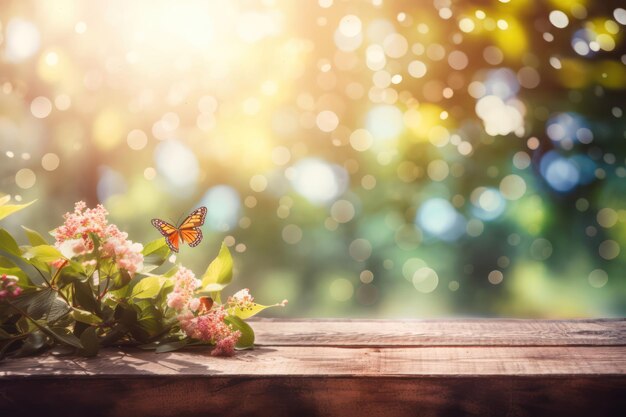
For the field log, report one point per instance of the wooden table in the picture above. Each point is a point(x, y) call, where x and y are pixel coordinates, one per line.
point(345, 367)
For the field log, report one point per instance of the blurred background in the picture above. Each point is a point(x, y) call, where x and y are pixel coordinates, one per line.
point(361, 158)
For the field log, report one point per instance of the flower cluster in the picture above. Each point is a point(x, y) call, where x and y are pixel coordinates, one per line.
point(200, 323)
point(9, 287)
point(185, 284)
point(241, 299)
point(127, 254)
point(210, 327)
point(73, 238)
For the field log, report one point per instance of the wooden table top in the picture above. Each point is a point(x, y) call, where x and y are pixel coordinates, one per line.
point(473, 366)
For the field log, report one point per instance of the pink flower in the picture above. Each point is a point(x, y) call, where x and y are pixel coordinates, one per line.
point(73, 238)
point(9, 287)
point(194, 304)
point(211, 328)
point(82, 222)
point(185, 284)
point(176, 301)
point(226, 346)
point(243, 296)
point(200, 323)
point(127, 254)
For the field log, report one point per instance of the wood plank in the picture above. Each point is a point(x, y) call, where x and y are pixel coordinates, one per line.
point(218, 395)
point(454, 332)
point(300, 361)
point(348, 368)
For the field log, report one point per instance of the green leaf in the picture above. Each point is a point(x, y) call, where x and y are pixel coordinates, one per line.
point(149, 319)
point(150, 326)
point(119, 294)
point(211, 288)
point(34, 237)
point(171, 272)
point(155, 252)
point(89, 341)
point(126, 315)
point(8, 244)
point(85, 316)
point(41, 256)
point(34, 343)
point(39, 304)
point(43, 253)
point(148, 287)
point(9, 268)
point(58, 309)
point(117, 332)
point(253, 310)
point(85, 297)
point(153, 246)
point(171, 346)
point(147, 269)
point(6, 263)
point(8, 209)
point(25, 325)
point(72, 272)
point(246, 340)
point(42, 266)
point(63, 335)
point(120, 279)
point(220, 271)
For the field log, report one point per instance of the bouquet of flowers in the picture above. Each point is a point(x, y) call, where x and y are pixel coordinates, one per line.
point(93, 287)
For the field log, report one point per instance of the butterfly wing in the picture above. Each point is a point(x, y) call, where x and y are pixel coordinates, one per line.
point(190, 227)
point(171, 233)
point(191, 236)
point(195, 219)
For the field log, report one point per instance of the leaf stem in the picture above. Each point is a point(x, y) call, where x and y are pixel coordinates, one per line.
point(18, 337)
point(106, 288)
point(54, 277)
point(43, 277)
point(56, 274)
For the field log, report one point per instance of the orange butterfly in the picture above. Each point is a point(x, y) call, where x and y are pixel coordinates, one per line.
point(188, 231)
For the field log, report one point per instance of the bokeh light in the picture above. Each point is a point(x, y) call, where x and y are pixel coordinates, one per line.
point(395, 159)
point(22, 39)
point(224, 205)
point(318, 181)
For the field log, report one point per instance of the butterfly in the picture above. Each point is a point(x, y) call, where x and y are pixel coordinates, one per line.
point(188, 231)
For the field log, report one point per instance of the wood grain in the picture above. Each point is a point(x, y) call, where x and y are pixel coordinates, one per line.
point(347, 368)
point(336, 361)
point(158, 396)
point(456, 332)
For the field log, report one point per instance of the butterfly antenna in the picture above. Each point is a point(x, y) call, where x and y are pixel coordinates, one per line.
point(170, 221)
point(178, 220)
